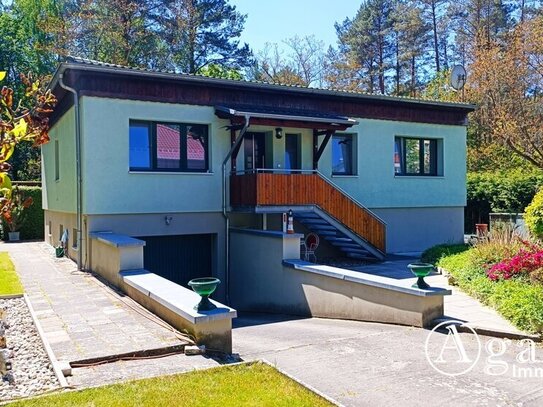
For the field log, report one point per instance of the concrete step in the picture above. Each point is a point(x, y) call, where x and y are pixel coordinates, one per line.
point(319, 226)
point(345, 245)
point(306, 215)
point(325, 233)
point(341, 240)
point(360, 256)
point(311, 221)
point(356, 251)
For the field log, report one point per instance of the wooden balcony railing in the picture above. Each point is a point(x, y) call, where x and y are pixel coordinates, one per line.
point(264, 187)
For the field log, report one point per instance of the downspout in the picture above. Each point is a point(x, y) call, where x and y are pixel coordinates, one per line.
point(79, 213)
point(224, 206)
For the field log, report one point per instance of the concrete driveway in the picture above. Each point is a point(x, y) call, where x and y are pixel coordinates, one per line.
point(361, 364)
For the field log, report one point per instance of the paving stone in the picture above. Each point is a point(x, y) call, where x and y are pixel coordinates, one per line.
point(81, 316)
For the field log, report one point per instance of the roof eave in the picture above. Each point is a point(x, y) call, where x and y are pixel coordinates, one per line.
point(246, 84)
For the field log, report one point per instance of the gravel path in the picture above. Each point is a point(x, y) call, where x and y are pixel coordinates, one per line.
point(32, 372)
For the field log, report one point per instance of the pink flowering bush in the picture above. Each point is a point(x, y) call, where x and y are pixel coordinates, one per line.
point(528, 259)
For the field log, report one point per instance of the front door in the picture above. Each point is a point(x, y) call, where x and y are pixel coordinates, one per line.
point(255, 151)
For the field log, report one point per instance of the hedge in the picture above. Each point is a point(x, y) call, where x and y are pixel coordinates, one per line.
point(496, 192)
point(33, 227)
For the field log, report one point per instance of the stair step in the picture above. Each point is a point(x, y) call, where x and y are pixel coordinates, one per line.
point(342, 245)
point(320, 227)
point(356, 251)
point(311, 221)
point(306, 215)
point(324, 233)
point(360, 256)
point(341, 239)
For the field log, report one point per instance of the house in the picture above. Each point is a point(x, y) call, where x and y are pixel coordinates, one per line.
point(178, 160)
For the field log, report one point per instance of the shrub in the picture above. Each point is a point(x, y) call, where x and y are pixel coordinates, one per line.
point(435, 253)
point(499, 192)
point(534, 215)
point(33, 227)
point(518, 300)
point(522, 262)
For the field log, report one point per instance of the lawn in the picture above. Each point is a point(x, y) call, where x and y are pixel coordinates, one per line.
point(9, 281)
point(253, 384)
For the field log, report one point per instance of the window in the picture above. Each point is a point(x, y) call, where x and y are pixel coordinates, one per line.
point(292, 152)
point(57, 161)
point(416, 156)
point(74, 238)
point(343, 155)
point(49, 228)
point(177, 147)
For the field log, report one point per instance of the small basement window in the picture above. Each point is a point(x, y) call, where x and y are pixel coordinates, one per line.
point(57, 161)
point(417, 156)
point(74, 238)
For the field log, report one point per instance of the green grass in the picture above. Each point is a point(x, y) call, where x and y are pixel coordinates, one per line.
point(9, 280)
point(518, 300)
point(254, 384)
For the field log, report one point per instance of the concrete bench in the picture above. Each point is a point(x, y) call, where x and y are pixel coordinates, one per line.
point(119, 259)
point(175, 304)
point(339, 293)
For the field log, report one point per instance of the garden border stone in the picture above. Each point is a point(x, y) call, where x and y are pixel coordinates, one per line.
point(57, 367)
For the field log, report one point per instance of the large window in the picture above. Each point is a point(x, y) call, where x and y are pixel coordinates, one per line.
point(416, 156)
point(343, 154)
point(177, 147)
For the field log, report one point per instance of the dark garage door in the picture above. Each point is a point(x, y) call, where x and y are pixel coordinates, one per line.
point(179, 258)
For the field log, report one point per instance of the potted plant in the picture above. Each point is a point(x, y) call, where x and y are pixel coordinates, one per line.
point(14, 212)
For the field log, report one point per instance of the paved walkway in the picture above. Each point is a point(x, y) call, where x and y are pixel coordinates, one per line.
point(84, 319)
point(459, 305)
point(370, 364)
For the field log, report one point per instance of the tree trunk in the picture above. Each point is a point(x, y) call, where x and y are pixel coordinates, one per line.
point(413, 77)
point(381, 66)
point(436, 42)
point(397, 65)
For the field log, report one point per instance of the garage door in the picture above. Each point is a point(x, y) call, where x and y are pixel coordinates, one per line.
point(179, 258)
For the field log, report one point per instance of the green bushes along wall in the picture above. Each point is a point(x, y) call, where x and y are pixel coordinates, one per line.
point(33, 227)
point(497, 192)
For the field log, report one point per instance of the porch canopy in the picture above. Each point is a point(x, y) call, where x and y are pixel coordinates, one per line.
point(285, 117)
point(323, 123)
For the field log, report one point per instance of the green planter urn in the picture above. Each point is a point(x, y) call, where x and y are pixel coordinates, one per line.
point(204, 287)
point(421, 270)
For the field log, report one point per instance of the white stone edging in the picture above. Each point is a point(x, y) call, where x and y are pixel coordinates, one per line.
point(10, 296)
point(54, 362)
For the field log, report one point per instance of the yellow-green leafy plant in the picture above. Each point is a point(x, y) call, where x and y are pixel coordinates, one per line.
point(25, 120)
point(534, 215)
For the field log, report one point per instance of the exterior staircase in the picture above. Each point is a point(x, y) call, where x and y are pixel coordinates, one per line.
point(317, 203)
point(337, 235)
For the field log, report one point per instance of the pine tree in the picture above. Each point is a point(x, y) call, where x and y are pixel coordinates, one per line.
point(367, 39)
point(202, 32)
point(412, 40)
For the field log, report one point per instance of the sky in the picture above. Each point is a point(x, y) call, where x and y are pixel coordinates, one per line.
point(275, 20)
